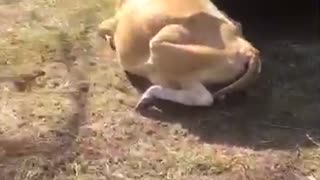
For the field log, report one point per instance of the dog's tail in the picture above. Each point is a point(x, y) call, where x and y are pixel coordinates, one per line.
point(253, 70)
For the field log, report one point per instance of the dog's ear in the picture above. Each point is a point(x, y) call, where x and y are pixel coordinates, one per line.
point(106, 31)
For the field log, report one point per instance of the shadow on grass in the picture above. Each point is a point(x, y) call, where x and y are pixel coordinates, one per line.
point(279, 112)
point(58, 145)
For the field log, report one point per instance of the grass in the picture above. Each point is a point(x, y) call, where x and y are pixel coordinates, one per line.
point(60, 131)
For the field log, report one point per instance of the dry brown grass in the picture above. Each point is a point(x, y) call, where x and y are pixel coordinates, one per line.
point(77, 121)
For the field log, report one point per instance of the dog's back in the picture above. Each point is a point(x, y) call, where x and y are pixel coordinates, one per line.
point(140, 20)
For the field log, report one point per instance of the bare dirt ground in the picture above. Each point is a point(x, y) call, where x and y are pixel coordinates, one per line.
point(76, 121)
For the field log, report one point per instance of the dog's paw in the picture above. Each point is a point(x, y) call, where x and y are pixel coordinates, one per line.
point(144, 103)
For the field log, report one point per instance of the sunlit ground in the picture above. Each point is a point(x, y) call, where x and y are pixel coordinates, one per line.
point(77, 121)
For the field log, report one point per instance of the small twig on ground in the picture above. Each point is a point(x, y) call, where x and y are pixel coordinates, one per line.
point(283, 127)
point(312, 140)
point(298, 150)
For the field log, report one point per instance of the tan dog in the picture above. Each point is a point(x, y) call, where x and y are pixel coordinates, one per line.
point(181, 46)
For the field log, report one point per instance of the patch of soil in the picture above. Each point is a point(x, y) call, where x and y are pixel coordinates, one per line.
point(10, 16)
